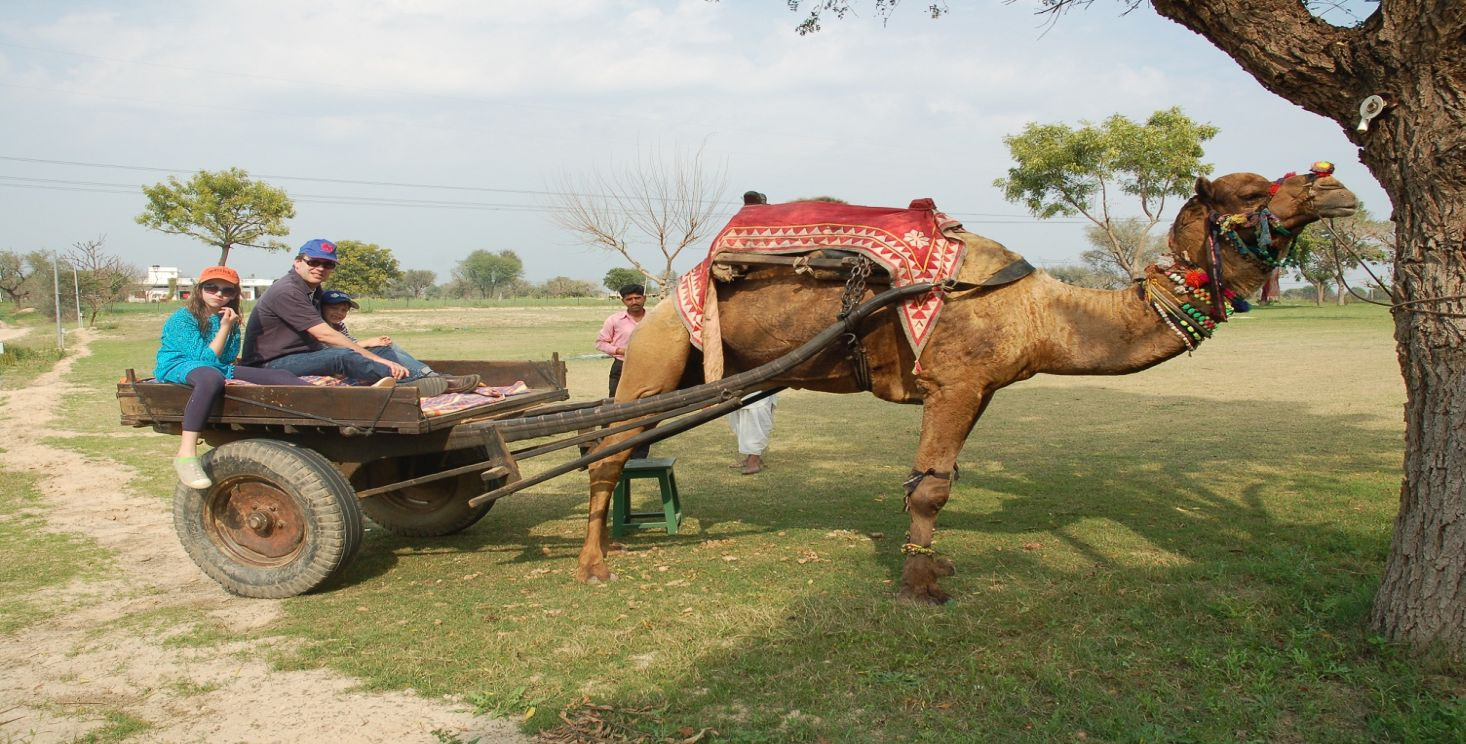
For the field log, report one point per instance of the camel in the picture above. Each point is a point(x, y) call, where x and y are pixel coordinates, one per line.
point(986, 339)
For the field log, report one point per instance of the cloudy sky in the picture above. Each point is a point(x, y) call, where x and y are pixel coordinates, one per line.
point(437, 127)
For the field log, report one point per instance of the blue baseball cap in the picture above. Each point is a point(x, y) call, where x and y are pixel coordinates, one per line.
point(319, 248)
point(336, 297)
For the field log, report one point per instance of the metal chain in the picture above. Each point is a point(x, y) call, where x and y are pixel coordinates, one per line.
point(855, 285)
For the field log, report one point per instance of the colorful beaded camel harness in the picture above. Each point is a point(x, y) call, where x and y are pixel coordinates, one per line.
point(1191, 300)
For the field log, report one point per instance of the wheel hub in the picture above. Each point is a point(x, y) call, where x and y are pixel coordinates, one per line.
point(256, 522)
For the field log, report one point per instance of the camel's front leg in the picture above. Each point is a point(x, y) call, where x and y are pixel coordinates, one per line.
point(603, 478)
point(654, 362)
point(947, 419)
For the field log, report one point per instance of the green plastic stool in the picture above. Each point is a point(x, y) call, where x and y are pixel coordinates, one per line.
point(670, 517)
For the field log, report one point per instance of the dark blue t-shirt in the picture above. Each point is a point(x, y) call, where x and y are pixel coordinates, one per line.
point(278, 325)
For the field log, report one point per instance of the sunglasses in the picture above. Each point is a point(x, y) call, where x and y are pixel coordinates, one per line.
point(320, 263)
point(220, 290)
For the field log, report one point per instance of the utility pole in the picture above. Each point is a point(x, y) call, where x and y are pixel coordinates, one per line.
point(56, 288)
point(76, 288)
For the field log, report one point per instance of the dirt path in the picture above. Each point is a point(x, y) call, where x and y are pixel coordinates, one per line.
point(10, 333)
point(63, 676)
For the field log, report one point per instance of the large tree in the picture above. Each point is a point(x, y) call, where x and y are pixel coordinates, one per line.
point(221, 208)
point(647, 213)
point(364, 268)
point(15, 274)
point(413, 284)
point(621, 276)
point(489, 273)
point(1312, 262)
point(1411, 54)
point(1070, 171)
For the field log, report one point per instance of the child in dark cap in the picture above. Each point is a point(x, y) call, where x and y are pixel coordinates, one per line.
point(336, 304)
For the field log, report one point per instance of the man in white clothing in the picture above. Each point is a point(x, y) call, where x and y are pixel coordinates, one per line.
point(753, 424)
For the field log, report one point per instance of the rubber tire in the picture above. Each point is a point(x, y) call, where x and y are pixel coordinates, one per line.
point(305, 483)
point(434, 509)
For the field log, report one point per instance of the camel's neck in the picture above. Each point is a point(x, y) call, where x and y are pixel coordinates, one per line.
point(1095, 332)
point(1099, 332)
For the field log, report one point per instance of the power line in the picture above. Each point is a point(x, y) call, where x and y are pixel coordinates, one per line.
point(987, 217)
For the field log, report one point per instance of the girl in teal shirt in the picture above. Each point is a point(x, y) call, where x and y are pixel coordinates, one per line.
point(198, 347)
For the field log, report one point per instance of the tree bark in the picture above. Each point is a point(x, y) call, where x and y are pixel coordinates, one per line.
point(1411, 53)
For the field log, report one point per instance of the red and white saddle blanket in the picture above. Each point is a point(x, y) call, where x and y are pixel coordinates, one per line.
point(912, 244)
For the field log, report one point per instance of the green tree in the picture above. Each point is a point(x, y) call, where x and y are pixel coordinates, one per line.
point(364, 268)
point(1082, 275)
point(1313, 257)
point(489, 273)
point(1067, 171)
point(413, 284)
point(564, 286)
point(619, 277)
point(1134, 238)
point(1409, 54)
point(14, 276)
point(223, 209)
point(1356, 241)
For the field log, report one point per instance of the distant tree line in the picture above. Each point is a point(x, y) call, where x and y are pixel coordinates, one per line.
point(84, 277)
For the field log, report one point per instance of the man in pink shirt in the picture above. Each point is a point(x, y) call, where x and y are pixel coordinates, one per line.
point(616, 333)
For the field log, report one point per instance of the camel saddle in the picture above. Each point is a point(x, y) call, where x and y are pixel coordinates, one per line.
point(912, 245)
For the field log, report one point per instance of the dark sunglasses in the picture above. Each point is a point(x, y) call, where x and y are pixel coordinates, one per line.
point(317, 263)
point(220, 290)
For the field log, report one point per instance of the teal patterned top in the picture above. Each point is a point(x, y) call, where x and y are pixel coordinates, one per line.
point(184, 349)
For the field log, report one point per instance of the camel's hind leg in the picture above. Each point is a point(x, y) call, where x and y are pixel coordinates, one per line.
point(948, 416)
point(655, 359)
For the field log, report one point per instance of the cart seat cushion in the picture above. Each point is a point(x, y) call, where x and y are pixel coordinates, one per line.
point(440, 405)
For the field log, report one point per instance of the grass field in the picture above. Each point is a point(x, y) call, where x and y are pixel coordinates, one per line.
point(1186, 554)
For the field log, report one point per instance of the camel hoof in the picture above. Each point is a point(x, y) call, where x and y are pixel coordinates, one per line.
point(930, 595)
point(594, 573)
point(594, 580)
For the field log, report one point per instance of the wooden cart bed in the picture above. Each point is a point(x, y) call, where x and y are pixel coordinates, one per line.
point(517, 387)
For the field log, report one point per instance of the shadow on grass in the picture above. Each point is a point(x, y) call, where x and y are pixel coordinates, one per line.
point(1191, 573)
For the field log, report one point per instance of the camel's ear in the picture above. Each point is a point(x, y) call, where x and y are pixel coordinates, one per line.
point(1203, 189)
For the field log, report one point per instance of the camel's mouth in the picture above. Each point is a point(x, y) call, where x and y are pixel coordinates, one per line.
point(1335, 201)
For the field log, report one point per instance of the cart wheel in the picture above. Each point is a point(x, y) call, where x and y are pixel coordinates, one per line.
point(278, 521)
point(429, 509)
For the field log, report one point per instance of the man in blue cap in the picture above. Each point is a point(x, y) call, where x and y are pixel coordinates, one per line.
point(286, 331)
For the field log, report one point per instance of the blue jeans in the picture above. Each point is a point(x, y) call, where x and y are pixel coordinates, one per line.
point(396, 353)
point(333, 361)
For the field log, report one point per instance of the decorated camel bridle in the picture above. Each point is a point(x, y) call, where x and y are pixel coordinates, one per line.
point(1179, 290)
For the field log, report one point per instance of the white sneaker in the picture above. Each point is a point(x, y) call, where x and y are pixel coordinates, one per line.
point(191, 473)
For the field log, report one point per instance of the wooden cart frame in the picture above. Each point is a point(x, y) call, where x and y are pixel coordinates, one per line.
point(296, 468)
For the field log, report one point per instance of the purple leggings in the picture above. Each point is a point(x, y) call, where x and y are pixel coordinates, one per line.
point(208, 386)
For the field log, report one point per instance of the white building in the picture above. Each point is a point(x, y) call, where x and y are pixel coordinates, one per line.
point(164, 281)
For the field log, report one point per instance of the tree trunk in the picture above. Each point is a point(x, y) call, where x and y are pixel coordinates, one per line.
point(1339, 295)
point(1411, 55)
point(1318, 294)
point(1422, 599)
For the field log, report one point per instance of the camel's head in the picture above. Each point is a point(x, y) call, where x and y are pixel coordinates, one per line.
point(1295, 200)
point(1255, 219)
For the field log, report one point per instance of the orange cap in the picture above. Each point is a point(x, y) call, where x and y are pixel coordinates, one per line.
point(219, 272)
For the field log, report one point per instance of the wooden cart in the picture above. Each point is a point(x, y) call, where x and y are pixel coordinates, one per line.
point(295, 468)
